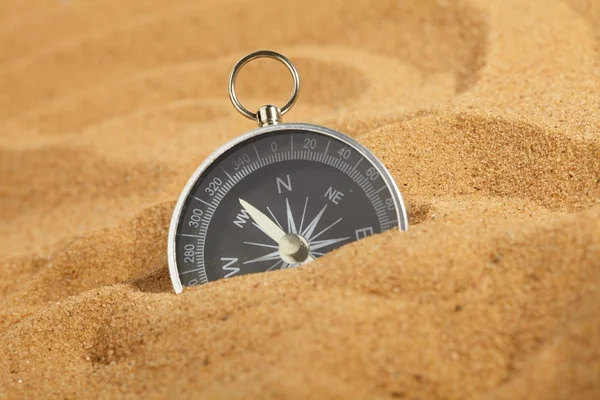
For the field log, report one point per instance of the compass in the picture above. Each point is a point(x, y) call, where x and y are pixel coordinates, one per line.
point(278, 197)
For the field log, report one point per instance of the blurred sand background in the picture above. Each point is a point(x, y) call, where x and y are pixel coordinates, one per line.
point(487, 113)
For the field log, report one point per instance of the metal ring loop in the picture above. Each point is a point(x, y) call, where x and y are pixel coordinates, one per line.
point(262, 54)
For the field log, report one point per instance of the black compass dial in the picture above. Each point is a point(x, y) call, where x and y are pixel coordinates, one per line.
point(278, 200)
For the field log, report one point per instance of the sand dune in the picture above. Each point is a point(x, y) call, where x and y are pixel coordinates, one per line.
point(486, 113)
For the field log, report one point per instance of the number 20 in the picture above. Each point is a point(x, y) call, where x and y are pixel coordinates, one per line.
point(310, 143)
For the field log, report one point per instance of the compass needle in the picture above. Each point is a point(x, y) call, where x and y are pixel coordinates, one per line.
point(264, 223)
point(246, 208)
point(259, 228)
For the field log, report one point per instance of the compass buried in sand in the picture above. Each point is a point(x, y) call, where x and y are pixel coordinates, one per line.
point(277, 197)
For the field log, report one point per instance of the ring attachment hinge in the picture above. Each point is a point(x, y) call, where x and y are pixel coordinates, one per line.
point(268, 114)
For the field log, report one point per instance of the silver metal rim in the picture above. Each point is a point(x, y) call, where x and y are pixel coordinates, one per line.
point(400, 208)
point(253, 56)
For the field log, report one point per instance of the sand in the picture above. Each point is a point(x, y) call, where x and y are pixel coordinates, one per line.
point(487, 113)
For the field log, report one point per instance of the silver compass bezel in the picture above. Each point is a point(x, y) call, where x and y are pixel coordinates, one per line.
point(384, 173)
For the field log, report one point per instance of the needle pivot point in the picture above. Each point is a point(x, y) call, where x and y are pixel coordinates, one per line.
point(293, 248)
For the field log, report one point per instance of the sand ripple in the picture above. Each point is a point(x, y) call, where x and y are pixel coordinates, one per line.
point(485, 112)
